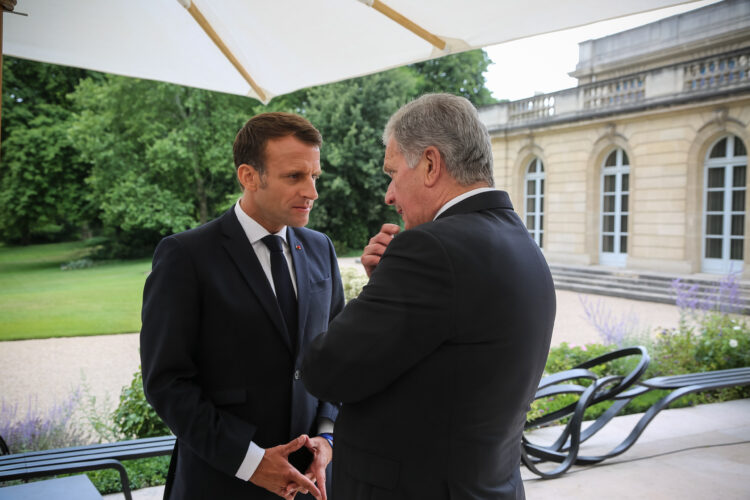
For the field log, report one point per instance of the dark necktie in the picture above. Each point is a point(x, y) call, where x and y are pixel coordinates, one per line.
point(282, 282)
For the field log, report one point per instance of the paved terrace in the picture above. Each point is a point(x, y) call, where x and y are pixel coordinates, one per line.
point(688, 454)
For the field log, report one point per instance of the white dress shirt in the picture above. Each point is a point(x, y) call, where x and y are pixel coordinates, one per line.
point(255, 233)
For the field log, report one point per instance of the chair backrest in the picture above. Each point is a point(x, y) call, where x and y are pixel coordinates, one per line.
point(4, 450)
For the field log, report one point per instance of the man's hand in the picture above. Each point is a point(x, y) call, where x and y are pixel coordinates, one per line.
point(377, 245)
point(278, 476)
point(322, 454)
point(316, 472)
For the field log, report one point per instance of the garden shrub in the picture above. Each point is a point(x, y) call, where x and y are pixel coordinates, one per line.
point(142, 473)
point(134, 417)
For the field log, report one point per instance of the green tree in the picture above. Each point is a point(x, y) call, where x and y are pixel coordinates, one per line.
point(143, 159)
point(42, 182)
point(162, 156)
point(351, 116)
point(461, 74)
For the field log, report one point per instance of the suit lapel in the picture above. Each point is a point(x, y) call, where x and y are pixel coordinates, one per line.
point(302, 272)
point(241, 252)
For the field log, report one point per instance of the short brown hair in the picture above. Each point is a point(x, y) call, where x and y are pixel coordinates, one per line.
point(250, 143)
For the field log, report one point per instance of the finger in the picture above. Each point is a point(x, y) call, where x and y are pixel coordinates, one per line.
point(293, 489)
point(375, 250)
point(382, 239)
point(369, 259)
point(370, 264)
point(294, 445)
point(321, 480)
point(304, 484)
point(310, 444)
point(390, 228)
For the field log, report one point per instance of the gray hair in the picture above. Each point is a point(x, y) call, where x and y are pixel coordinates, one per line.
point(452, 125)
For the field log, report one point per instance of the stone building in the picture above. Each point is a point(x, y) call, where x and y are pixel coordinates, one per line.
point(643, 165)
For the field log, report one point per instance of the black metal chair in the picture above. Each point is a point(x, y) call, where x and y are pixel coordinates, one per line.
point(4, 450)
point(565, 450)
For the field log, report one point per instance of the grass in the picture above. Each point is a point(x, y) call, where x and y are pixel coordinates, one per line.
point(39, 300)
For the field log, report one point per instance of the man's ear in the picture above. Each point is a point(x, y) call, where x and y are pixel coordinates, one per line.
point(434, 165)
point(248, 177)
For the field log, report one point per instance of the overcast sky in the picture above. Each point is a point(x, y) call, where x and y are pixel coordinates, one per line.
point(542, 63)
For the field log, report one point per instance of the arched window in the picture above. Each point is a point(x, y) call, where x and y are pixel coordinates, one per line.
point(724, 189)
point(534, 200)
point(614, 215)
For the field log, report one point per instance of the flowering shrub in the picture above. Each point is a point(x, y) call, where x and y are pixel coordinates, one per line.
point(723, 297)
point(354, 280)
point(35, 430)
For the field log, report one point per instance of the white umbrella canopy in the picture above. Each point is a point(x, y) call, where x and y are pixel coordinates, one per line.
point(267, 48)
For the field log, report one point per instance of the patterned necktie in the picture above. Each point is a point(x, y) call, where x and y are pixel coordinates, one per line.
point(282, 282)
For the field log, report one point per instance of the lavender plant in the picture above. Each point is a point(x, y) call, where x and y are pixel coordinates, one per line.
point(723, 297)
point(612, 329)
point(38, 430)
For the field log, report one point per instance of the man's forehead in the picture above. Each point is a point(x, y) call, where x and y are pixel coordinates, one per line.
point(392, 151)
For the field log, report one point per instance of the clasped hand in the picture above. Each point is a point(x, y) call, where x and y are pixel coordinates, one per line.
point(278, 476)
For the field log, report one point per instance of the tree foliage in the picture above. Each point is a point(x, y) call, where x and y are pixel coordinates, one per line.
point(461, 74)
point(136, 160)
point(162, 155)
point(42, 175)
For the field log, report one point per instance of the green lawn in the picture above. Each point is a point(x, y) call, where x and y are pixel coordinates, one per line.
point(39, 300)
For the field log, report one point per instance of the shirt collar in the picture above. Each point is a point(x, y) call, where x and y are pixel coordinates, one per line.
point(460, 198)
point(254, 231)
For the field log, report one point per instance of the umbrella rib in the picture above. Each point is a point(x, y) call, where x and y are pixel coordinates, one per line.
point(406, 23)
point(206, 26)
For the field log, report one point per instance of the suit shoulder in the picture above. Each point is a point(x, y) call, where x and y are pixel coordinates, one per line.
point(312, 237)
point(197, 234)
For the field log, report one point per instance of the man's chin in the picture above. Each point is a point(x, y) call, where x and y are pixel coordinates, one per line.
point(299, 221)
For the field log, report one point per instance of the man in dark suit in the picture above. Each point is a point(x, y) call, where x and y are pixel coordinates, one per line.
point(437, 360)
point(228, 310)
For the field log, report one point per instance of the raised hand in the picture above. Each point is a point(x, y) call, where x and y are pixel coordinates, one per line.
point(377, 245)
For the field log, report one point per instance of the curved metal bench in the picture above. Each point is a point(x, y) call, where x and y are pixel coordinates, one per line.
point(565, 450)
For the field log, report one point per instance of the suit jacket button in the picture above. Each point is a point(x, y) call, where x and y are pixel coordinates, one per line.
point(297, 375)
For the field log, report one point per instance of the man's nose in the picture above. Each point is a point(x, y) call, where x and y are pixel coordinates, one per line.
point(310, 191)
point(390, 198)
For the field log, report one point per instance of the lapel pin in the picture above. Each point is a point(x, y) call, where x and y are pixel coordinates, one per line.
point(298, 247)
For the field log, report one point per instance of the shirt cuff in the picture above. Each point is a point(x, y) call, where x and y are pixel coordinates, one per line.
point(325, 425)
point(252, 460)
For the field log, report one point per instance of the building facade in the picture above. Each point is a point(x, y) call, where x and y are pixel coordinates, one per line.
point(643, 165)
